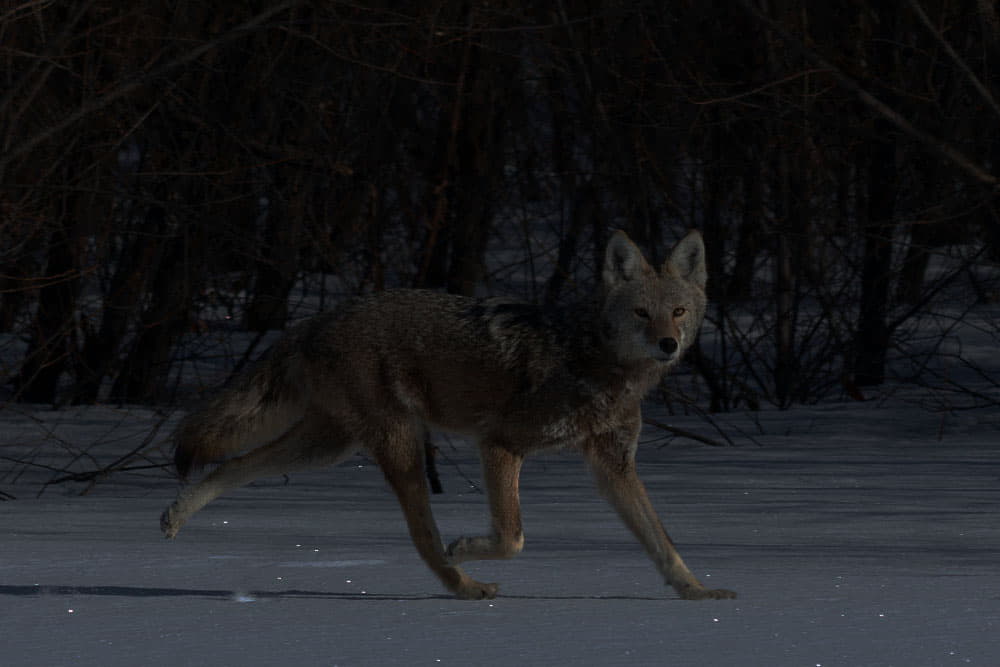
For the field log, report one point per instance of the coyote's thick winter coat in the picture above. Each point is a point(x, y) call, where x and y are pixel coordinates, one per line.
point(377, 372)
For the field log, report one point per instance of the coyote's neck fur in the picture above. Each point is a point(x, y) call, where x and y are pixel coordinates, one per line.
point(564, 349)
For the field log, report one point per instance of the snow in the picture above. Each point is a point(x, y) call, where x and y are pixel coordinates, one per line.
point(854, 533)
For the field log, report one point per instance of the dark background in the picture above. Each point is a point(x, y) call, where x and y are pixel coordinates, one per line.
point(164, 162)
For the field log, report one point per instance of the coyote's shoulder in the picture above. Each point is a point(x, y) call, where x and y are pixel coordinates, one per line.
point(380, 370)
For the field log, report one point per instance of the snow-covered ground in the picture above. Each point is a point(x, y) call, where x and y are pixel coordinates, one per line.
point(856, 534)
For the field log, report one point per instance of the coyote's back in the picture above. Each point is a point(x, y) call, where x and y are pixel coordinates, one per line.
point(380, 370)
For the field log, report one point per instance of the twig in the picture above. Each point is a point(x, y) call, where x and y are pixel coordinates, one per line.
point(704, 414)
point(93, 475)
point(468, 480)
point(133, 84)
point(116, 466)
point(945, 150)
point(961, 64)
point(24, 462)
point(685, 434)
point(245, 359)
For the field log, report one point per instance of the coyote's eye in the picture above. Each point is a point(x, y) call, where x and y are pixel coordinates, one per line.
point(680, 312)
point(642, 312)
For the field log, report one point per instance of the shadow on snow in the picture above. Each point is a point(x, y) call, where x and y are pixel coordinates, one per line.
point(251, 596)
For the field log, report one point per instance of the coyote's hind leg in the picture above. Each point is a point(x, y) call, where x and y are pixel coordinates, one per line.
point(312, 443)
point(401, 458)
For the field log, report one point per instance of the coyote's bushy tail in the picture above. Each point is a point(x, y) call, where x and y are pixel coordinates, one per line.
point(257, 407)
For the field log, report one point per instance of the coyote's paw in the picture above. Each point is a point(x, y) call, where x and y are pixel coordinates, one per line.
point(699, 593)
point(170, 523)
point(467, 548)
point(474, 590)
point(483, 548)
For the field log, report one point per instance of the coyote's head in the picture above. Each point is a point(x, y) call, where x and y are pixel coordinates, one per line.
point(649, 315)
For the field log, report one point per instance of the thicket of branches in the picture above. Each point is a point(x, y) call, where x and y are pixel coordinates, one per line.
point(161, 158)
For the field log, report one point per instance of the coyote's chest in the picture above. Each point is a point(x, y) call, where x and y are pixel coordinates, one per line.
point(555, 421)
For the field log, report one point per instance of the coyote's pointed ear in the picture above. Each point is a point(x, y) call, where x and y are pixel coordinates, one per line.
point(623, 261)
point(687, 259)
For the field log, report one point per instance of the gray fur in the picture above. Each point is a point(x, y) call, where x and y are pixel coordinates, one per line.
point(516, 378)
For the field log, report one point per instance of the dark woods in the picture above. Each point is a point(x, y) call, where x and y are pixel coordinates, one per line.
point(171, 171)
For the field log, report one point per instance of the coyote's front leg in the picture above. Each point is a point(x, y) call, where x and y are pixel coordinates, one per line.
point(501, 469)
point(613, 464)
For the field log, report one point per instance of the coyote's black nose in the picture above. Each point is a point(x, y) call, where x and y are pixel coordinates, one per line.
point(668, 345)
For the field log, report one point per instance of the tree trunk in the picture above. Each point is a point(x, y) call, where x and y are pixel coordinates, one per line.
point(140, 255)
point(784, 285)
point(276, 269)
point(53, 333)
point(13, 293)
point(871, 341)
point(748, 245)
point(872, 338)
point(584, 211)
point(146, 368)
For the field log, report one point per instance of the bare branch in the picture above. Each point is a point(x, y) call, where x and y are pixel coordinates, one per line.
point(969, 74)
point(690, 435)
point(130, 85)
point(945, 150)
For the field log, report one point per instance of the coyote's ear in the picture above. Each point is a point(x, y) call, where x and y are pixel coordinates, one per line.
point(687, 259)
point(623, 261)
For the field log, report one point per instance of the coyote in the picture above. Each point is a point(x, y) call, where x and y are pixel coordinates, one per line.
point(378, 371)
